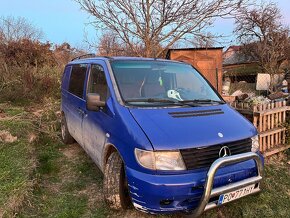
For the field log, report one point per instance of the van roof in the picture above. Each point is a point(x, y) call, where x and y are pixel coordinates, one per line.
point(92, 59)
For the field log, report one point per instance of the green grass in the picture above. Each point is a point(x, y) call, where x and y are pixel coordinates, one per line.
point(63, 188)
point(16, 165)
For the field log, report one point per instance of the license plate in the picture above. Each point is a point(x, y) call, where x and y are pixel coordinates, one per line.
point(230, 196)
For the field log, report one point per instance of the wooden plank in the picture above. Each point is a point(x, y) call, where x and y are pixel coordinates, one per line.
point(269, 121)
point(272, 105)
point(284, 137)
point(272, 120)
point(272, 140)
point(272, 131)
point(263, 144)
point(271, 111)
point(264, 127)
point(276, 150)
point(261, 124)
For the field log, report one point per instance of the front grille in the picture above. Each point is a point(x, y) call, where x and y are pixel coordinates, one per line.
point(195, 158)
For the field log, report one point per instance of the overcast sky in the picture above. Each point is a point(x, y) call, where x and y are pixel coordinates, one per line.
point(63, 21)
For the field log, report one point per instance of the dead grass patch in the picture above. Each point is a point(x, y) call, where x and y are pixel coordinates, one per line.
point(71, 151)
point(5, 136)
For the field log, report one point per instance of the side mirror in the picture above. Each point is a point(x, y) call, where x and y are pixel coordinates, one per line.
point(94, 102)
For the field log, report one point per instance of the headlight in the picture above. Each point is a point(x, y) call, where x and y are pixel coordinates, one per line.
point(255, 143)
point(160, 160)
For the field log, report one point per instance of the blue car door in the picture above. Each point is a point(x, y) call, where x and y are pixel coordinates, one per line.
point(76, 102)
point(96, 123)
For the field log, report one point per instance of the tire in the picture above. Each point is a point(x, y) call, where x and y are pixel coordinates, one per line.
point(115, 186)
point(65, 135)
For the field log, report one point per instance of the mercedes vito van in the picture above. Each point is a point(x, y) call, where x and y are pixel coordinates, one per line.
point(163, 137)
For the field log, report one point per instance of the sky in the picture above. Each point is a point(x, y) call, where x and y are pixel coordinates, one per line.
point(63, 21)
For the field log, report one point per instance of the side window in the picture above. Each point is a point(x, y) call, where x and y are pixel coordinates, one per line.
point(77, 79)
point(98, 83)
point(65, 77)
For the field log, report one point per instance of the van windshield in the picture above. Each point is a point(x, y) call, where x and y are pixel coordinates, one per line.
point(152, 82)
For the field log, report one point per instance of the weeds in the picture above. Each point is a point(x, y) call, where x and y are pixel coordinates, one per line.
point(16, 165)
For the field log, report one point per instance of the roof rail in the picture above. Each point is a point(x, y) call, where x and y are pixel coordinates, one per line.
point(84, 55)
point(88, 55)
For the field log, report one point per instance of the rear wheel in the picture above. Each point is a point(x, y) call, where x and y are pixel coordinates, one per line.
point(115, 183)
point(65, 135)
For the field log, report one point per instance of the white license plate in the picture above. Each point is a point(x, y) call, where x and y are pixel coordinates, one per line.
point(230, 196)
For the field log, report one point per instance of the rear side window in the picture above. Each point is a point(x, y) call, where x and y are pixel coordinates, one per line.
point(77, 79)
point(65, 77)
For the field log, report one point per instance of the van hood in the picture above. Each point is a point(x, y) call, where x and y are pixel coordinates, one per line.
point(179, 128)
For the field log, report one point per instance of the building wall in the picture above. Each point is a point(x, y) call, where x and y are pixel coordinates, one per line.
point(207, 61)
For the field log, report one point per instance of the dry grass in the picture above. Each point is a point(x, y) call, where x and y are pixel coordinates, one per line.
point(17, 162)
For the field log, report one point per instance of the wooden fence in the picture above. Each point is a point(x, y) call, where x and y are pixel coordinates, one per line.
point(270, 120)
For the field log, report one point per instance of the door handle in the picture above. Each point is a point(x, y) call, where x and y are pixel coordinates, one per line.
point(81, 111)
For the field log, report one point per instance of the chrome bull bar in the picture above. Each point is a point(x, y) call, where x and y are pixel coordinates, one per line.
point(209, 192)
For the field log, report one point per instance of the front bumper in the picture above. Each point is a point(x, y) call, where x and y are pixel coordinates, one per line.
point(196, 191)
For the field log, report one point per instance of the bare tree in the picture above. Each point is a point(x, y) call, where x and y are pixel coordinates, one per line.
point(15, 29)
point(109, 45)
point(156, 24)
point(265, 39)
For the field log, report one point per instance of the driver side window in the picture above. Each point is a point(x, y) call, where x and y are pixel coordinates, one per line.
point(97, 82)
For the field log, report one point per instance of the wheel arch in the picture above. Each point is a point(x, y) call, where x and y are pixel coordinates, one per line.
point(108, 150)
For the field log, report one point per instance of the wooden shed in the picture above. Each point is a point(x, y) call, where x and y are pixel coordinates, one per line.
point(207, 60)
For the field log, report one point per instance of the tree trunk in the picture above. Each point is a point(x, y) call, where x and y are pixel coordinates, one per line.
point(271, 86)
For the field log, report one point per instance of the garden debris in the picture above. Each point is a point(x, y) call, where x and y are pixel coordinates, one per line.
point(257, 100)
point(229, 99)
point(58, 113)
point(6, 136)
point(37, 113)
point(31, 137)
point(2, 113)
point(276, 95)
point(226, 87)
point(242, 97)
point(237, 93)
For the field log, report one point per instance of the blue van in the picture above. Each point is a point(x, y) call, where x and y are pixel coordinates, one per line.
point(163, 137)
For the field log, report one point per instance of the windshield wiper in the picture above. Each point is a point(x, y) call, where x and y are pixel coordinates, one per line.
point(203, 101)
point(161, 100)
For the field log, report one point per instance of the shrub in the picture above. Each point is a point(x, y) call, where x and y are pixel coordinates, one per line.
point(29, 70)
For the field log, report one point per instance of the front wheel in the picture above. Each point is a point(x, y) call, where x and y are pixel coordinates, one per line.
point(115, 183)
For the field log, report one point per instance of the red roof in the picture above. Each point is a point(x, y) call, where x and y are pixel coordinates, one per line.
point(234, 47)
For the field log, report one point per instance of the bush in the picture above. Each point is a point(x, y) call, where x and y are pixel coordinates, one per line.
point(28, 70)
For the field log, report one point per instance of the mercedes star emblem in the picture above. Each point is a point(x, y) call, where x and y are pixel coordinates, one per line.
point(225, 151)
